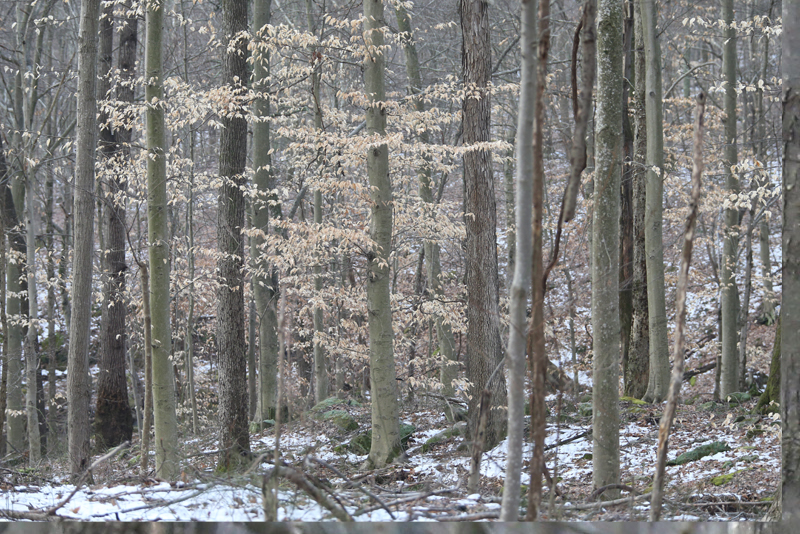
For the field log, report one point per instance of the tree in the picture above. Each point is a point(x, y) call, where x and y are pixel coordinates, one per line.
point(637, 368)
point(164, 417)
point(484, 350)
point(113, 418)
point(264, 285)
point(520, 287)
point(385, 412)
point(653, 219)
point(233, 405)
point(790, 312)
point(78, 382)
point(729, 292)
point(605, 245)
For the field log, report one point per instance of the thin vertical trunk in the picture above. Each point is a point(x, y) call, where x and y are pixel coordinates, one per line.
point(484, 348)
point(383, 385)
point(165, 420)
point(658, 381)
point(147, 320)
point(605, 246)
point(520, 287)
point(78, 381)
point(234, 434)
point(265, 286)
point(32, 338)
point(637, 370)
point(536, 341)
point(790, 306)
point(729, 381)
point(320, 362)
point(4, 174)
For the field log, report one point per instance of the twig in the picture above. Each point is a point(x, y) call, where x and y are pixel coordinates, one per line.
point(680, 320)
point(358, 486)
point(404, 500)
point(569, 440)
point(299, 479)
point(599, 491)
point(600, 504)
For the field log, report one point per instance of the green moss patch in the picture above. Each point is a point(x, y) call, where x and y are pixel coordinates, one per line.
point(700, 452)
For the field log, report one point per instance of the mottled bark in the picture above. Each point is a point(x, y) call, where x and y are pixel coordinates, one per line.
point(637, 368)
point(234, 435)
point(605, 246)
point(483, 346)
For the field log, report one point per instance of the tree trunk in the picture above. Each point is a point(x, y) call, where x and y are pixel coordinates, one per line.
point(385, 411)
point(265, 284)
point(484, 350)
point(658, 381)
point(790, 312)
point(729, 382)
point(637, 370)
point(536, 341)
point(772, 392)
point(520, 287)
point(32, 337)
point(113, 419)
point(626, 203)
point(165, 421)
point(605, 246)
point(78, 380)
point(234, 433)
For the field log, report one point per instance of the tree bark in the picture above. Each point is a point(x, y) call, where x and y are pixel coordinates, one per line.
point(637, 370)
point(520, 288)
point(165, 420)
point(484, 350)
point(658, 381)
point(385, 411)
point(265, 284)
point(729, 382)
point(234, 433)
point(790, 312)
point(113, 418)
point(605, 246)
point(78, 380)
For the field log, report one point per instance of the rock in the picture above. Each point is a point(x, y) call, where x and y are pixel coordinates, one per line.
point(362, 443)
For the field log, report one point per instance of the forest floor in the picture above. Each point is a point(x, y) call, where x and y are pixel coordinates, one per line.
point(734, 485)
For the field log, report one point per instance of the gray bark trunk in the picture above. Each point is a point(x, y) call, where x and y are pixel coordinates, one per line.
point(234, 435)
point(637, 370)
point(78, 381)
point(385, 411)
point(790, 313)
point(265, 284)
point(520, 287)
point(729, 381)
point(165, 420)
point(654, 245)
point(605, 246)
point(484, 350)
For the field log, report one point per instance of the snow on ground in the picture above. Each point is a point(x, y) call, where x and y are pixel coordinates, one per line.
point(431, 485)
